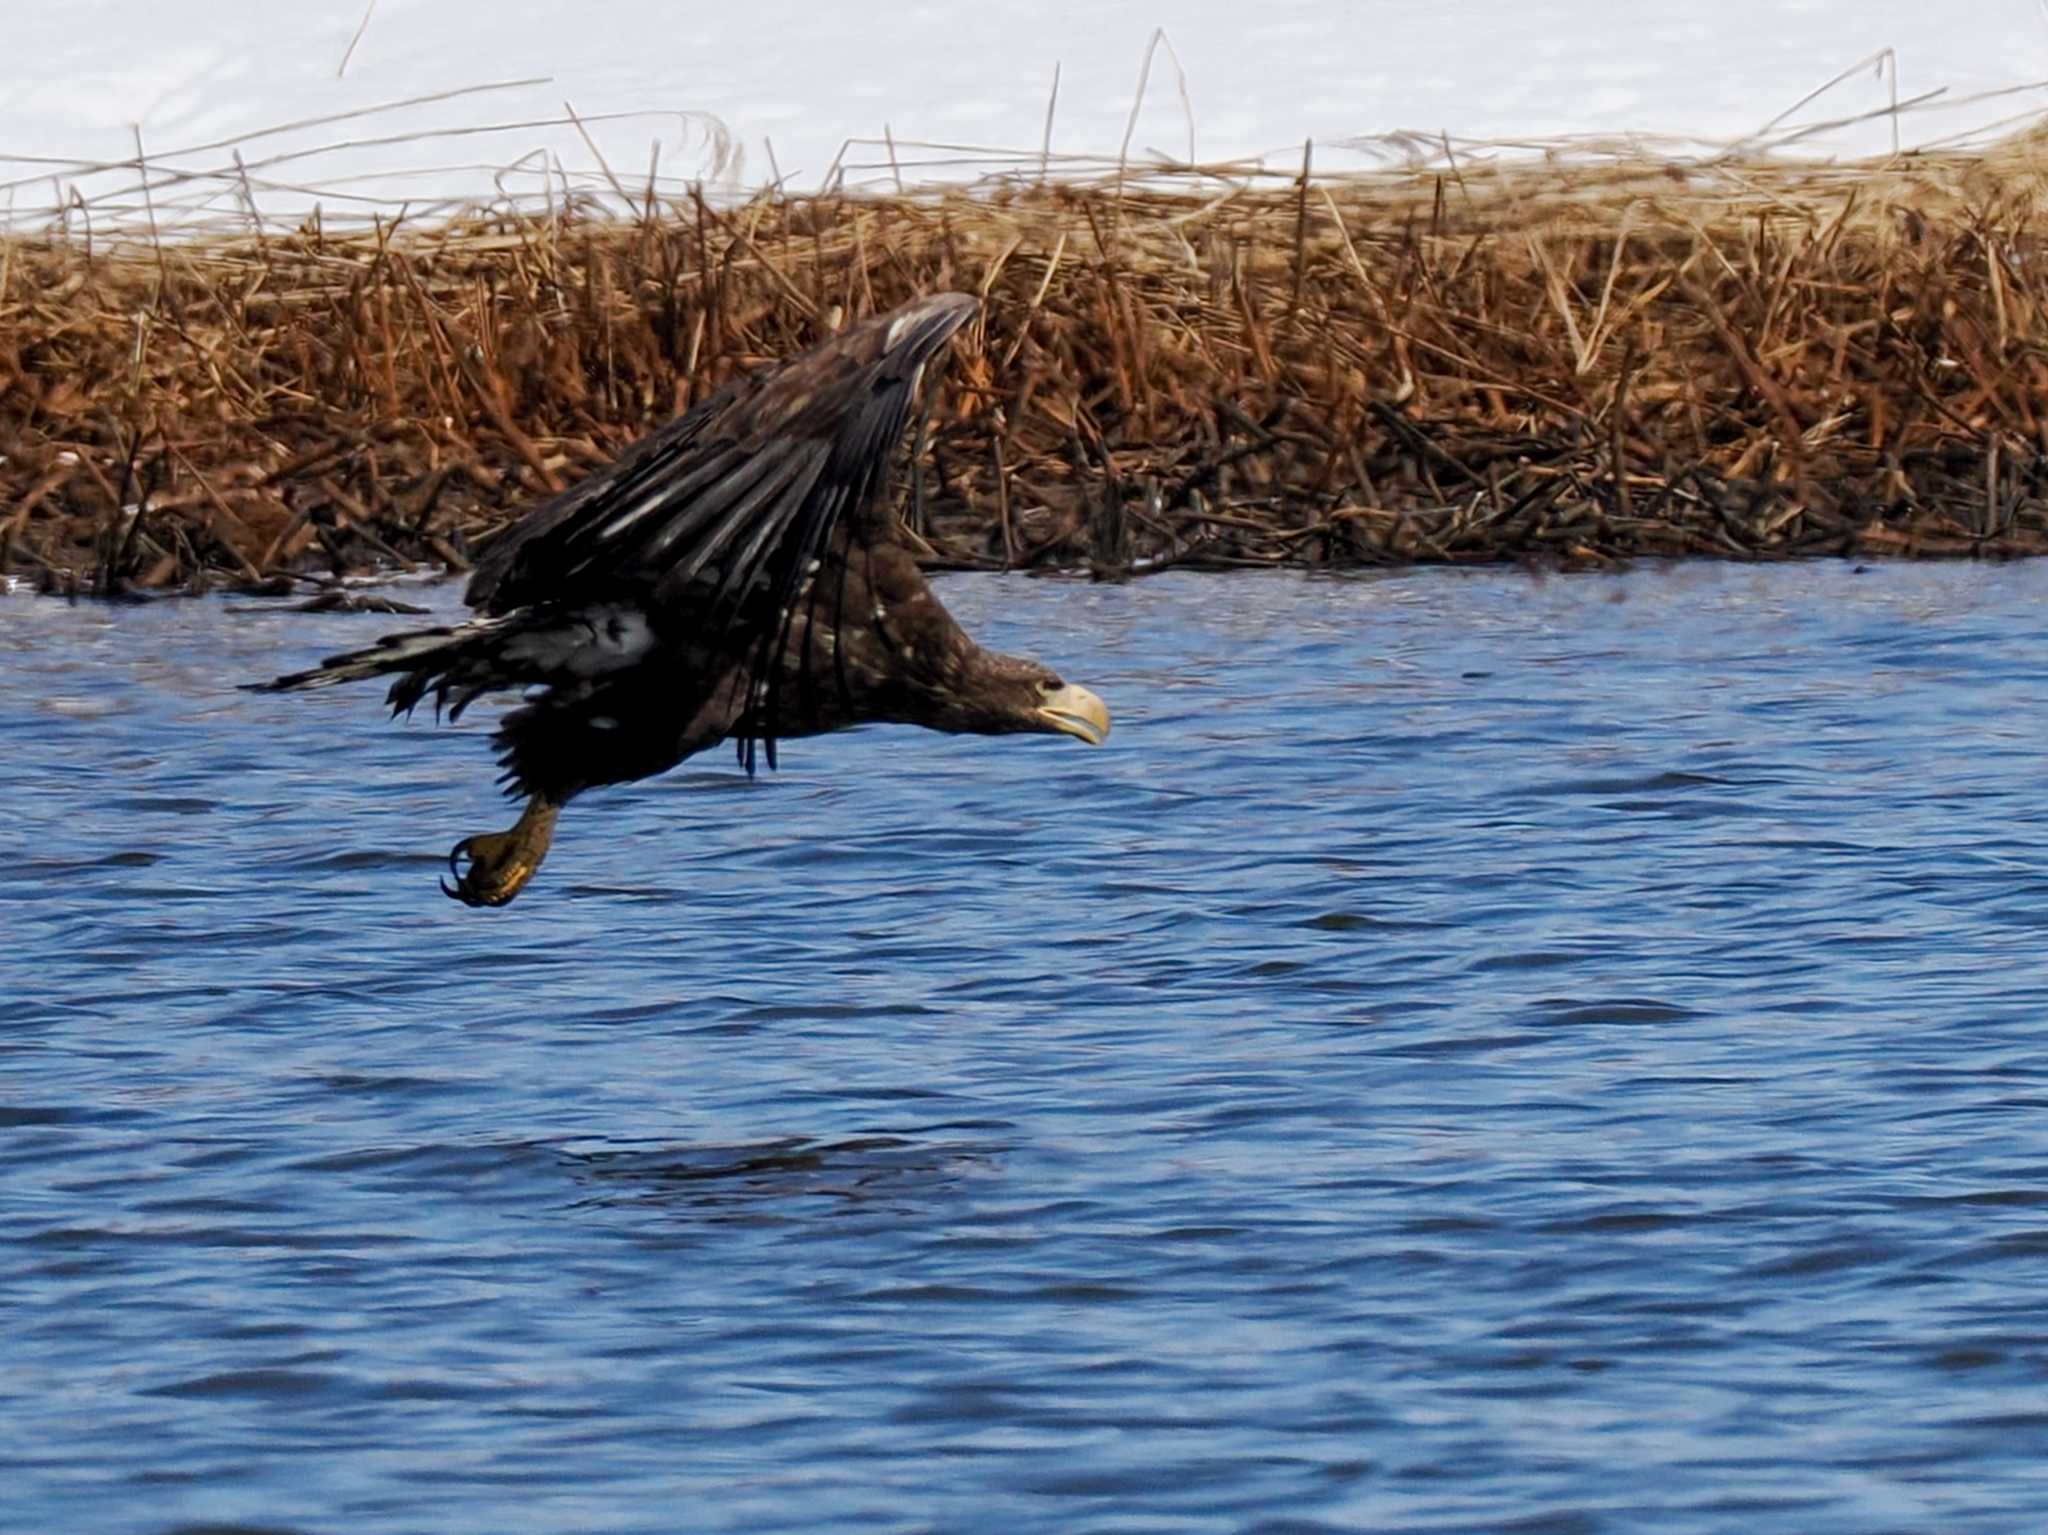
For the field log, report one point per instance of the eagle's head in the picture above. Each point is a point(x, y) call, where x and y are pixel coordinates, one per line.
point(1012, 695)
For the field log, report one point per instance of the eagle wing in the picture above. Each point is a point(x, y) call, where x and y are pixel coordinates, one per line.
point(739, 494)
point(715, 523)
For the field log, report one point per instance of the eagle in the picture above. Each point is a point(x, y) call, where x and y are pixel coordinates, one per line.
point(739, 574)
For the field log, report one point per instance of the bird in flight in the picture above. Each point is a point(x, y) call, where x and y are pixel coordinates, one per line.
point(739, 574)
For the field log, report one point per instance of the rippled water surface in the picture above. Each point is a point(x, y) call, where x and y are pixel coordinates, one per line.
point(1472, 1052)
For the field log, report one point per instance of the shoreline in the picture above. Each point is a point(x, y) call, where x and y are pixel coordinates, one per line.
point(1572, 364)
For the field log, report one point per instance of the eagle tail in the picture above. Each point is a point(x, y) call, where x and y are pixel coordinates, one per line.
point(392, 653)
point(461, 659)
point(567, 648)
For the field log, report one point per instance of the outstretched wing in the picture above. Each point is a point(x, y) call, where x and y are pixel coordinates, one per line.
point(738, 494)
point(716, 521)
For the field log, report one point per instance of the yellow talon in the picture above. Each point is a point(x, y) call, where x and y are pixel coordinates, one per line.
point(501, 862)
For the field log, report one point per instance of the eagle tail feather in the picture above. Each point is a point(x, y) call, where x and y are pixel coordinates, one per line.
point(460, 663)
point(417, 651)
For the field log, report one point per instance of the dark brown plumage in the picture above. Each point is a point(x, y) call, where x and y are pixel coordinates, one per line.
point(737, 575)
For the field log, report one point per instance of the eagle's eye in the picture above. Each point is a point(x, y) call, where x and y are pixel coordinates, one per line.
point(1051, 685)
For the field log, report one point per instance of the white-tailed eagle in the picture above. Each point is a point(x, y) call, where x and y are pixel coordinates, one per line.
point(740, 575)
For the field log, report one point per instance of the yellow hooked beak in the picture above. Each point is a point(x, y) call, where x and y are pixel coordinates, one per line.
point(1076, 712)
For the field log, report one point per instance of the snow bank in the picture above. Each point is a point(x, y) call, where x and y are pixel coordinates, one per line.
point(740, 93)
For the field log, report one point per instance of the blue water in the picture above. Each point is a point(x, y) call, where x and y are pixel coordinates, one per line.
point(1472, 1052)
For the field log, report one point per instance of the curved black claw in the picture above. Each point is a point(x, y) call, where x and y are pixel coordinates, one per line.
point(491, 869)
point(461, 890)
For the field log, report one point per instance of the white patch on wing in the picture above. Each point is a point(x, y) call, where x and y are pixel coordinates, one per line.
point(594, 642)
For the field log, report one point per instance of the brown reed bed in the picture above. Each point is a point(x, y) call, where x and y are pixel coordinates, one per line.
point(1566, 360)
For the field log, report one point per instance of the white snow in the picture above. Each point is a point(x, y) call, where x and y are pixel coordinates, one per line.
point(202, 80)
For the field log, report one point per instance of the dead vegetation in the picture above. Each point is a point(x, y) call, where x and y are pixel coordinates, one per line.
point(1523, 359)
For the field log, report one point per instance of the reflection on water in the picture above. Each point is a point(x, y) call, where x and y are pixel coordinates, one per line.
point(1470, 1052)
point(759, 1179)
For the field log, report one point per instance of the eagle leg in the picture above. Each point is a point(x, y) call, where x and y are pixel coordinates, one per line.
point(501, 862)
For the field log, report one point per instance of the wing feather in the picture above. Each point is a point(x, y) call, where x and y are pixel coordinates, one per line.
point(715, 521)
point(761, 491)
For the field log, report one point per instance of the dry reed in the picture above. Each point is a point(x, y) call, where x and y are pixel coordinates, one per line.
point(1567, 360)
